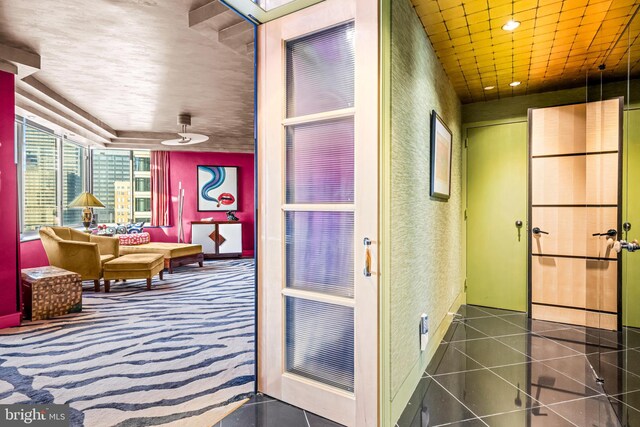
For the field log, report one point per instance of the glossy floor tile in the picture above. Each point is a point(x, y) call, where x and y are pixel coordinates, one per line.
point(500, 368)
point(263, 411)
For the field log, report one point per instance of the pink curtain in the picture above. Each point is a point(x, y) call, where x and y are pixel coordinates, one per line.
point(160, 195)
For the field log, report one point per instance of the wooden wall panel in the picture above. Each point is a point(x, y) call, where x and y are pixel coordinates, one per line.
point(603, 125)
point(558, 180)
point(602, 179)
point(575, 282)
point(575, 317)
point(565, 181)
point(559, 130)
point(570, 230)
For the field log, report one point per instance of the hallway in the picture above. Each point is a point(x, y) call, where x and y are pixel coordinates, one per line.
point(499, 368)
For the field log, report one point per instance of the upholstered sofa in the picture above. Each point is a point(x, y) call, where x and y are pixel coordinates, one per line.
point(175, 254)
point(79, 252)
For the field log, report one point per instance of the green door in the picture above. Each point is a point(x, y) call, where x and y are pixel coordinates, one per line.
point(496, 199)
point(631, 214)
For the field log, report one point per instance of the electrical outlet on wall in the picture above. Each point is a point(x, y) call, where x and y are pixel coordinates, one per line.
point(424, 331)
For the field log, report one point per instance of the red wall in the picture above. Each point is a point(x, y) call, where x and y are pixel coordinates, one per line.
point(9, 236)
point(183, 169)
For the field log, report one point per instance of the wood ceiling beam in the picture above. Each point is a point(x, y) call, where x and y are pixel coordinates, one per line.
point(45, 90)
point(206, 12)
point(142, 135)
point(8, 67)
point(55, 111)
point(20, 56)
point(44, 114)
point(208, 146)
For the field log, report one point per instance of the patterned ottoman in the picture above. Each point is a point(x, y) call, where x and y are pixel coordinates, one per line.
point(50, 291)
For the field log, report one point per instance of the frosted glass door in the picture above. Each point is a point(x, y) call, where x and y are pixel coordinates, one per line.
point(318, 146)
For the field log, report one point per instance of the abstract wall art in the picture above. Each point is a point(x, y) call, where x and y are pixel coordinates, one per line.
point(217, 188)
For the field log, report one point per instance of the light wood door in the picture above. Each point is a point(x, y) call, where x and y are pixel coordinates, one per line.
point(318, 171)
point(575, 194)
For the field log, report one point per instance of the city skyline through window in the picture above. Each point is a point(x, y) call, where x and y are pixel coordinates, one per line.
point(54, 171)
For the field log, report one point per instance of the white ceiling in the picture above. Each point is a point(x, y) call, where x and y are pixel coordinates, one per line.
point(136, 64)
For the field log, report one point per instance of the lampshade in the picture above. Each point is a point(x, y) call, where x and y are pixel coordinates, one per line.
point(86, 200)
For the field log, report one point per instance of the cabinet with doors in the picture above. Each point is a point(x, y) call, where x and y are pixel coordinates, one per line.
point(219, 239)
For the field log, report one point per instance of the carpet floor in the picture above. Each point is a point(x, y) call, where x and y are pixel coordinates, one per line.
point(181, 354)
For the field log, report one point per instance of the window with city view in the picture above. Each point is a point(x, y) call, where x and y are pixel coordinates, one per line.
point(117, 184)
point(39, 179)
point(55, 170)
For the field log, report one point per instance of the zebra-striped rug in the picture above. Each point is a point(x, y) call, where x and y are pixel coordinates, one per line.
point(180, 354)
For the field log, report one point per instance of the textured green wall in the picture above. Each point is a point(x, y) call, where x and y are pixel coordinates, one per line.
point(426, 269)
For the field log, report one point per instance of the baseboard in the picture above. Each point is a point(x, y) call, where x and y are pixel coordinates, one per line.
point(406, 390)
point(10, 320)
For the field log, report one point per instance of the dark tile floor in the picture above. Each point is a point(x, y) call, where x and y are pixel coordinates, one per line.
point(499, 368)
point(263, 411)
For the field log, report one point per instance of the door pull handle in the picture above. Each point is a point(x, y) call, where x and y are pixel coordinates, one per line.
point(367, 257)
point(537, 231)
point(610, 233)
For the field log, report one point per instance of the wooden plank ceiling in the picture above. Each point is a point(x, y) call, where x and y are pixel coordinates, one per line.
point(557, 44)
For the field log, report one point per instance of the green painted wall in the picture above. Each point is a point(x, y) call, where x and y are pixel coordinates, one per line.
point(495, 114)
point(421, 253)
point(631, 213)
point(496, 198)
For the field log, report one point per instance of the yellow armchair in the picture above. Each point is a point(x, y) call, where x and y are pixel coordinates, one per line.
point(79, 252)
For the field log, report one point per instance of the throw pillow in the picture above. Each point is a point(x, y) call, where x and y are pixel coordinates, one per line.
point(134, 239)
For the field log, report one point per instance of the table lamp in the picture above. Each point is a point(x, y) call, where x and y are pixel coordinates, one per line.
point(87, 201)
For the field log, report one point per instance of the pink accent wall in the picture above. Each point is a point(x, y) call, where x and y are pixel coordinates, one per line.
point(9, 234)
point(32, 254)
point(183, 169)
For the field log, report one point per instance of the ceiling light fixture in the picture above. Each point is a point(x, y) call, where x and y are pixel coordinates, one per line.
point(186, 138)
point(514, 84)
point(511, 25)
point(489, 87)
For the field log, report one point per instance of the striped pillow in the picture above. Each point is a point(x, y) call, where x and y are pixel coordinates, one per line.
point(134, 239)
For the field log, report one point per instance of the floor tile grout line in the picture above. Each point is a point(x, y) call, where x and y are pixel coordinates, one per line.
point(461, 422)
point(560, 415)
point(623, 402)
point(536, 360)
point(452, 395)
point(504, 379)
point(571, 378)
point(496, 374)
point(551, 405)
point(557, 403)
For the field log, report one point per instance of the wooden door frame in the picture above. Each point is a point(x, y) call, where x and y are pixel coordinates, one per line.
point(365, 13)
point(620, 195)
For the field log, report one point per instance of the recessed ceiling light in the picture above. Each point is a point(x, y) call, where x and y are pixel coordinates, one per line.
point(489, 87)
point(514, 84)
point(511, 25)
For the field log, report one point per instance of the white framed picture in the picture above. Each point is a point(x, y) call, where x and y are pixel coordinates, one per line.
point(217, 188)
